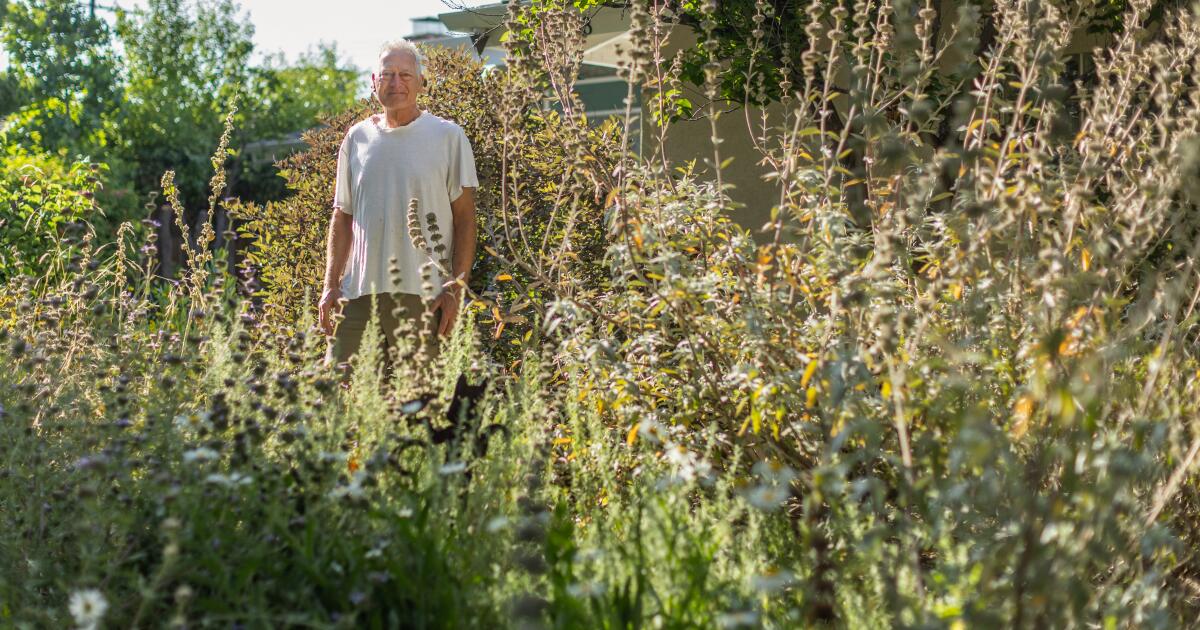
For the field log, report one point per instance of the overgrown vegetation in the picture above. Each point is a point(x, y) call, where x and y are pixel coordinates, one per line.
point(951, 384)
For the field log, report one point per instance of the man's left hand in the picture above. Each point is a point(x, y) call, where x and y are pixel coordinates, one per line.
point(447, 304)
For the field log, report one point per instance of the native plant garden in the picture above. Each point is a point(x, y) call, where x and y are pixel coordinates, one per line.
point(951, 383)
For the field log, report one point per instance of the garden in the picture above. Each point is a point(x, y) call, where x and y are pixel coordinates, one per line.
point(952, 382)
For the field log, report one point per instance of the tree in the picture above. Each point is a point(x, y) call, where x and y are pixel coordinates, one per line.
point(59, 52)
point(292, 97)
point(186, 61)
point(288, 98)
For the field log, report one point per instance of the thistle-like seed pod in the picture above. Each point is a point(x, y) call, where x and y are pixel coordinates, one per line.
point(394, 271)
point(414, 228)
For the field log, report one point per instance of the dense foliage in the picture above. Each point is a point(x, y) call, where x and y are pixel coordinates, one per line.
point(953, 386)
point(149, 95)
point(58, 51)
point(43, 198)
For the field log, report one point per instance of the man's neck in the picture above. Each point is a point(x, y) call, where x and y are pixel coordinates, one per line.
point(400, 117)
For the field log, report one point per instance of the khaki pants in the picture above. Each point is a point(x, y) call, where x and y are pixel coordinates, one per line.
point(347, 337)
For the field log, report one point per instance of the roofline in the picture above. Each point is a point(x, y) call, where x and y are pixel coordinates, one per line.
point(490, 17)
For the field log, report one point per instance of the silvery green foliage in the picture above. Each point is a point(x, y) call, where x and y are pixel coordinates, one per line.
point(969, 326)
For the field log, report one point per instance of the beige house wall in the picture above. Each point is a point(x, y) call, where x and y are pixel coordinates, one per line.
point(737, 126)
point(689, 140)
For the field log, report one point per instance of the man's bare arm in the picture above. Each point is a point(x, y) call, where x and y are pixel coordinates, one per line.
point(463, 211)
point(337, 251)
point(448, 302)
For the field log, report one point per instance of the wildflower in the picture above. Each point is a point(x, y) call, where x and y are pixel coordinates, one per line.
point(352, 490)
point(772, 580)
point(202, 454)
point(688, 466)
point(232, 480)
point(379, 577)
point(774, 472)
point(87, 607)
point(193, 422)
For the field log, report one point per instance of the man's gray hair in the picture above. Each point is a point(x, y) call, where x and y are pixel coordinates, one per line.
point(403, 45)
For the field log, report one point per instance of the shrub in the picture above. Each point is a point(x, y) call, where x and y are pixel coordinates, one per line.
point(41, 197)
point(966, 341)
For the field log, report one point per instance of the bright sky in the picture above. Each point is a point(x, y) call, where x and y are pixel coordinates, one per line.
point(358, 27)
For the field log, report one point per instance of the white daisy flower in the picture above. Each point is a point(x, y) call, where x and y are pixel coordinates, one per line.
point(767, 497)
point(232, 480)
point(687, 465)
point(192, 422)
point(87, 607)
point(202, 454)
point(774, 472)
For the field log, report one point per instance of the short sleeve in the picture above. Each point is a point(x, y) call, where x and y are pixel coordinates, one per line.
point(341, 187)
point(462, 166)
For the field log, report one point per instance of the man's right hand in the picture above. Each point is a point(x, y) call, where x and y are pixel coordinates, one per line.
point(329, 300)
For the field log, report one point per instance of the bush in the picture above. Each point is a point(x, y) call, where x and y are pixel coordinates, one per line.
point(41, 197)
point(173, 460)
point(967, 340)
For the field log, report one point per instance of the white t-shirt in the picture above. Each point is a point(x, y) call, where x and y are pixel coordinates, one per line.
point(379, 171)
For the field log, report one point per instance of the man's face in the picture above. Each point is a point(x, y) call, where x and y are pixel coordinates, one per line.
point(397, 83)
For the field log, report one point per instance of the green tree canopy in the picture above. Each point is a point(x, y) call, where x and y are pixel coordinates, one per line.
point(59, 52)
point(286, 98)
point(291, 97)
point(185, 61)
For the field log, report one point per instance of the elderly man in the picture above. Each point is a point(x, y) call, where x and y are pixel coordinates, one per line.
point(385, 162)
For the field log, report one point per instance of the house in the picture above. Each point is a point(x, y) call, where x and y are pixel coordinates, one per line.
point(602, 92)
